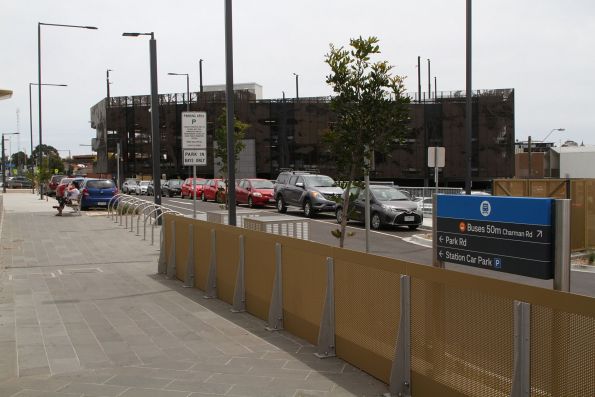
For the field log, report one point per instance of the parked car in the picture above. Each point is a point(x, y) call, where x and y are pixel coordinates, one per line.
point(151, 190)
point(96, 193)
point(214, 189)
point(141, 188)
point(187, 187)
point(425, 205)
point(129, 185)
point(311, 192)
point(255, 192)
point(172, 187)
point(388, 206)
point(53, 184)
point(19, 182)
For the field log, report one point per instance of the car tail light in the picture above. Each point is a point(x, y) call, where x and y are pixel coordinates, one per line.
point(85, 192)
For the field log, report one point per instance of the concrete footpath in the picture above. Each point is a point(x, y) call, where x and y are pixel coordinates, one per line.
point(83, 313)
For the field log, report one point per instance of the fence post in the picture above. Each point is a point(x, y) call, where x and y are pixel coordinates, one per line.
point(189, 282)
point(326, 332)
point(400, 375)
point(162, 264)
point(211, 292)
point(239, 292)
point(521, 378)
point(171, 261)
point(275, 322)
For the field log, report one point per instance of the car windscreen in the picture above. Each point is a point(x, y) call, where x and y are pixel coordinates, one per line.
point(175, 182)
point(388, 194)
point(318, 180)
point(144, 183)
point(262, 184)
point(100, 184)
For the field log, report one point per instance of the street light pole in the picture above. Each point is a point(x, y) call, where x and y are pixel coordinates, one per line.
point(39, 25)
point(550, 133)
point(468, 105)
point(229, 99)
point(4, 160)
point(155, 133)
point(429, 82)
point(297, 86)
point(107, 84)
point(200, 73)
point(31, 124)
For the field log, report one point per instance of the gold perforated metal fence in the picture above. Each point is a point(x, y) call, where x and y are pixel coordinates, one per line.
point(462, 326)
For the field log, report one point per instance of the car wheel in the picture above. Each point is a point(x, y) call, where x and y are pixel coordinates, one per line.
point(308, 210)
point(413, 227)
point(339, 215)
point(250, 203)
point(375, 221)
point(281, 207)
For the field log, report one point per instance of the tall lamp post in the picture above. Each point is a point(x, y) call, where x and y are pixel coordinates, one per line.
point(193, 167)
point(550, 133)
point(4, 160)
point(297, 86)
point(31, 123)
point(155, 134)
point(39, 84)
point(200, 61)
point(107, 83)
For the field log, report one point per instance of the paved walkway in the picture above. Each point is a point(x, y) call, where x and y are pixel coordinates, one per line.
point(82, 313)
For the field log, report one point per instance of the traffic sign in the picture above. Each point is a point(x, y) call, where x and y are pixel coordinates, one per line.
point(436, 156)
point(194, 130)
point(195, 156)
point(508, 234)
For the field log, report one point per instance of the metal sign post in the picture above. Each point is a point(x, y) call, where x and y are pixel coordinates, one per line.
point(194, 145)
point(436, 159)
point(562, 245)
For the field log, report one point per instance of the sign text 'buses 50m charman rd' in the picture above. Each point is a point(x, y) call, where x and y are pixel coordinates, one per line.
point(508, 234)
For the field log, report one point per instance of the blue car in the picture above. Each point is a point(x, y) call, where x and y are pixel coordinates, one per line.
point(96, 193)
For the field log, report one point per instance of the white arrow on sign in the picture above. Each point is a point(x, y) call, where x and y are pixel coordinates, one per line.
point(440, 254)
point(440, 238)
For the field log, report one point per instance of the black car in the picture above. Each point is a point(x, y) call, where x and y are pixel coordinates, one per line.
point(171, 188)
point(388, 206)
point(310, 192)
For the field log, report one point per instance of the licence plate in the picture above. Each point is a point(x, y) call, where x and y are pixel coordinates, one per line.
point(409, 218)
point(101, 203)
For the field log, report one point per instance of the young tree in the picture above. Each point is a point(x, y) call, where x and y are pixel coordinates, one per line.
point(371, 108)
point(220, 138)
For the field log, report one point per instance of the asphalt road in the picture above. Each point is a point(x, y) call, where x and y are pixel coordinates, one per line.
point(392, 243)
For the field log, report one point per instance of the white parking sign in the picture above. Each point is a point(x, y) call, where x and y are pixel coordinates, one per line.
point(195, 156)
point(194, 130)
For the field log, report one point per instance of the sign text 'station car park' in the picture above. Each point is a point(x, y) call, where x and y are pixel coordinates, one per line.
point(508, 234)
point(194, 138)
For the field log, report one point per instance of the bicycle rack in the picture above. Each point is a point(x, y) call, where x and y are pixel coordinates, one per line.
point(155, 209)
point(111, 208)
point(133, 205)
point(124, 201)
point(167, 211)
point(142, 212)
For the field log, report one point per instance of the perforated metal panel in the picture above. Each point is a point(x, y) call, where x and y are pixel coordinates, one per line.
point(462, 339)
point(367, 316)
point(562, 353)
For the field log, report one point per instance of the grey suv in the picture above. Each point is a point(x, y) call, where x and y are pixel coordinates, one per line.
point(311, 192)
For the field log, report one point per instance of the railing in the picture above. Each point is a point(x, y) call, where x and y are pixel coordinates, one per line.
point(435, 331)
point(127, 206)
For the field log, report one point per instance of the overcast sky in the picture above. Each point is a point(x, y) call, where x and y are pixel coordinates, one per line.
point(541, 48)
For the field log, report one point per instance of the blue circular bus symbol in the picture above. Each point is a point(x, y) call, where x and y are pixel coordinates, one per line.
point(485, 208)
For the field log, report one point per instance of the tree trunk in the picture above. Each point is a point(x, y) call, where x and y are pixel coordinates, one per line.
point(345, 209)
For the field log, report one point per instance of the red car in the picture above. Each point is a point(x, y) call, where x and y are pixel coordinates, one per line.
point(254, 192)
point(187, 187)
point(53, 184)
point(214, 189)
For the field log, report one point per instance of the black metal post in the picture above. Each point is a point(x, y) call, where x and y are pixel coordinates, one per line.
point(429, 82)
point(200, 73)
point(468, 108)
point(39, 106)
point(529, 149)
point(108, 83)
point(31, 137)
point(187, 92)
point(297, 86)
point(3, 167)
point(435, 89)
point(419, 79)
point(229, 98)
point(155, 133)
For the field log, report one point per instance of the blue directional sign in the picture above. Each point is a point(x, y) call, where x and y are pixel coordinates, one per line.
point(508, 234)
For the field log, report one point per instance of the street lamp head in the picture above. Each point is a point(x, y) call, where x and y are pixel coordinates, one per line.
point(136, 34)
point(90, 27)
point(295, 74)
